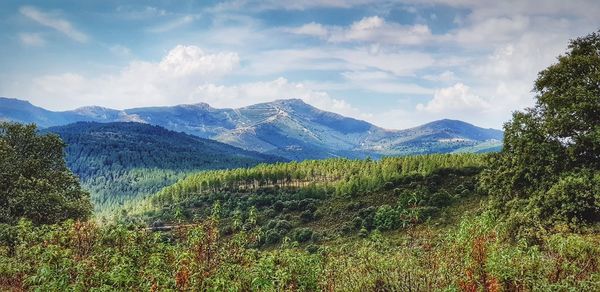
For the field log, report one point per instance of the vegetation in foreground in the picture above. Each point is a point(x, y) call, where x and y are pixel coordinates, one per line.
point(524, 219)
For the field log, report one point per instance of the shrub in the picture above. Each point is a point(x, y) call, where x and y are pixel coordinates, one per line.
point(386, 218)
point(302, 234)
point(574, 198)
point(307, 216)
point(272, 236)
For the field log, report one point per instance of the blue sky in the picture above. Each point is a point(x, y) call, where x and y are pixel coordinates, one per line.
point(394, 63)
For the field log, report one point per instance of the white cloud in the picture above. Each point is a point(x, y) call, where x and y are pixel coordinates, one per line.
point(373, 29)
point(490, 31)
point(172, 80)
point(311, 29)
point(32, 39)
point(454, 102)
point(262, 5)
point(457, 98)
point(53, 21)
point(192, 61)
point(401, 63)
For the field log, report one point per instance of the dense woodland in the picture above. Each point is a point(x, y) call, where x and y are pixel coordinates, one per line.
point(333, 197)
point(524, 219)
point(119, 162)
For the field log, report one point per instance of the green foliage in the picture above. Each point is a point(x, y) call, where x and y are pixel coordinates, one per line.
point(120, 162)
point(35, 183)
point(314, 179)
point(386, 218)
point(575, 196)
point(547, 171)
point(413, 188)
point(470, 256)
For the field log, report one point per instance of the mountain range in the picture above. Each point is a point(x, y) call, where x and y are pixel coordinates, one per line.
point(287, 128)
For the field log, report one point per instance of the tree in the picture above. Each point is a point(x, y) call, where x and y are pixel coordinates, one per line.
point(554, 147)
point(35, 182)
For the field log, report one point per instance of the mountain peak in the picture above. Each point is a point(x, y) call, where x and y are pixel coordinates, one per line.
point(290, 101)
point(93, 108)
point(202, 105)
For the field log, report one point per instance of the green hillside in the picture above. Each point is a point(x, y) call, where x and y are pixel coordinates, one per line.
point(118, 162)
point(310, 200)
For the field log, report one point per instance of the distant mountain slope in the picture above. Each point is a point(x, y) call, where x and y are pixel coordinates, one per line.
point(287, 128)
point(24, 112)
point(438, 137)
point(123, 160)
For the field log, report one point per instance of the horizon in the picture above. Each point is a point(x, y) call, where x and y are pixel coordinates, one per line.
point(395, 64)
point(236, 108)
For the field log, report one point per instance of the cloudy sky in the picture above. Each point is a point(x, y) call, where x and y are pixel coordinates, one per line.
point(394, 63)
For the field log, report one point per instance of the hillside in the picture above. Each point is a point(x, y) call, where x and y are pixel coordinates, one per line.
point(331, 198)
point(287, 128)
point(125, 160)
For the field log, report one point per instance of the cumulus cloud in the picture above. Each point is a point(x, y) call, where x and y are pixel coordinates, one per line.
point(193, 61)
point(171, 80)
point(453, 102)
point(457, 98)
point(53, 21)
point(369, 29)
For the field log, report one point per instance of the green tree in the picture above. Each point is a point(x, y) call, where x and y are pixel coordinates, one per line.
point(35, 182)
point(554, 147)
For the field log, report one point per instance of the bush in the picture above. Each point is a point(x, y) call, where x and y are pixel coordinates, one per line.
point(574, 198)
point(307, 216)
point(272, 236)
point(302, 235)
point(386, 218)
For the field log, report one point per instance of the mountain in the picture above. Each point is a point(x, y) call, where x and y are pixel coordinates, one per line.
point(124, 160)
point(16, 110)
point(441, 136)
point(288, 128)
